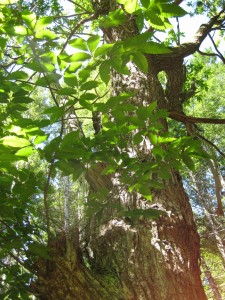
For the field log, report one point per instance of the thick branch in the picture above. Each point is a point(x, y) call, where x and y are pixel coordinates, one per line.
point(183, 118)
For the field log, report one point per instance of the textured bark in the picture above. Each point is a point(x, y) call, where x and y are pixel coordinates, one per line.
point(134, 259)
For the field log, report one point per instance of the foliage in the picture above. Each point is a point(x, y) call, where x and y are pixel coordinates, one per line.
point(49, 67)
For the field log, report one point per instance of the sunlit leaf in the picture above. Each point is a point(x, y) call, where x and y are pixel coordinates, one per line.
point(104, 49)
point(8, 2)
point(129, 5)
point(40, 139)
point(93, 42)
point(115, 18)
point(79, 56)
point(14, 141)
point(46, 34)
point(26, 151)
point(29, 18)
point(79, 43)
point(43, 22)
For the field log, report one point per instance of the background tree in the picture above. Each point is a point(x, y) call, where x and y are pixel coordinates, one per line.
point(128, 232)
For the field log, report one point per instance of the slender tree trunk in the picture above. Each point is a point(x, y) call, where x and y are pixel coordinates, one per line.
point(211, 280)
point(218, 185)
point(129, 259)
point(211, 222)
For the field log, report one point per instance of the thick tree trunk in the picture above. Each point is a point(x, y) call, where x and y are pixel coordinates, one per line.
point(130, 259)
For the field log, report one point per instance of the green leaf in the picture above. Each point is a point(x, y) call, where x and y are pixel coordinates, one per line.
point(115, 18)
point(154, 48)
point(164, 173)
point(40, 67)
point(146, 213)
point(88, 96)
point(14, 141)
point(73, 67)
point(140, 61)
point(79, 56)
point(66, 91)
point(9, 157)
point(65, 167)
point(48, 79)
point(29, 18)
point(40, 139)
point(93, 42)
point(145, 3)
point(46, 34)
point(79, 43)
point(116, 63)
point(49, 57)
point(71, 80)
point(39, 250)
point(26, 151)
point(89, 85)
point(43, 22)
point(188, 162)
point(153, 138)
point(17, 75)
point(129, 5)
point(3, 43)
point(172, 10)
point(102, 50)
point(21, 99)
point(18, 30)
point(86, 104)
point(4, 2)
point(104, 72)
point(138, 138)
point(54, 110)
point(155, 21)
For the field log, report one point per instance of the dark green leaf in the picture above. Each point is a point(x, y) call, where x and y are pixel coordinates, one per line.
point(172, 10)
point(104, 71)
point(140, 61)
point(89, 85)
point(17, 75)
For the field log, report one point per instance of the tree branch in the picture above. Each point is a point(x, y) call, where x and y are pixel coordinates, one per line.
point(92, 17)
point(183, 118)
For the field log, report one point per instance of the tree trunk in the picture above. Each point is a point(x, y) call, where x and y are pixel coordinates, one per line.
point(130, 259)
point(211, 280)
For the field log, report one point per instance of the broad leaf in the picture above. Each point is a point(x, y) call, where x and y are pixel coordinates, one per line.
point(79, 44)
point(14, 141)
point(93, 42)
point(115, 18)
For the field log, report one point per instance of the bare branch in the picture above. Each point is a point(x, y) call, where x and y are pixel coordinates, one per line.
point(211, 144)
point(189, 119)
point(216, 48)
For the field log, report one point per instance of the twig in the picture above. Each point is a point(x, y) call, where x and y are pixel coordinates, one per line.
point(216, 48)
point(211, 144)
point(92, 17)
